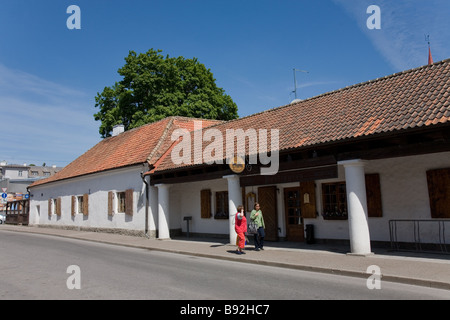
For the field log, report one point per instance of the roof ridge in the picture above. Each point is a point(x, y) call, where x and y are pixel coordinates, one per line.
point(163, 119)
point(343, 89)
point(193, 118)
point(396, 74)
point(167, 129)
point(136, 128)
point(393, 75)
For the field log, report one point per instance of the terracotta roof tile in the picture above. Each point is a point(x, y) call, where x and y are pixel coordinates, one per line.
point(409, 99)
point(136, 146)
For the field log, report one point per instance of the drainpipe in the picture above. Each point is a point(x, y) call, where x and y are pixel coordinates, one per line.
point(146, 205)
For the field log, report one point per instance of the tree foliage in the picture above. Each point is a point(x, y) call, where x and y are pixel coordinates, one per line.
point(154, 87)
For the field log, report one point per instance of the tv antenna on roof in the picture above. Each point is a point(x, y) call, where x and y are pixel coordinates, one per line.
point(295, 81)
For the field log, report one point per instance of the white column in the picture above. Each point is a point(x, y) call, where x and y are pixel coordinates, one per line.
point(234, 199)
point(163, 211)
point(153, 210)
point(357, 207)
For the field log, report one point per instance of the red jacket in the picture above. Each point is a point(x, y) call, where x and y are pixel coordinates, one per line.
point(240, 225)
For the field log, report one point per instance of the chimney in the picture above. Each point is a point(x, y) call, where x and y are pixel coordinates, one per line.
point(118, 129)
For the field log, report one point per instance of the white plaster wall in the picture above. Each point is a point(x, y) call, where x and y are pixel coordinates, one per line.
point(185, 201)
point(13, 173)
point(404, 195)
point(97, 186)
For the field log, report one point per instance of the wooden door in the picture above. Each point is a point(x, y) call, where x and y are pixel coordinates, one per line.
point(267, 199)
point(293, 214)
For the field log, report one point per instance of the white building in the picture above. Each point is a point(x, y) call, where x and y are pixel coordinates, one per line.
point(348, 162)
point(15, 179)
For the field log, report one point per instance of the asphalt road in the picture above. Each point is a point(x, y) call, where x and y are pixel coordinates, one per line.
point(45, 267)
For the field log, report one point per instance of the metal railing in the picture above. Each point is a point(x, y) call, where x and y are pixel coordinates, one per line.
point(422, 241)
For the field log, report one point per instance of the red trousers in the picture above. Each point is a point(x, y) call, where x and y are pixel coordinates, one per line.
point(240, 241)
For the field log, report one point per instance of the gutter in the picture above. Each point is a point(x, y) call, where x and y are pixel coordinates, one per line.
point(143, 175)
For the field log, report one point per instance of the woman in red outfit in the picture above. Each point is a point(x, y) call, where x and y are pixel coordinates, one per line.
point(240, 226)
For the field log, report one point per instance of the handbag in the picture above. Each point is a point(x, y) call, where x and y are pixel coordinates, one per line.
point(252, 227)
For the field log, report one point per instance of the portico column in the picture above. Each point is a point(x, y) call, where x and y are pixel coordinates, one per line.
point(357, 207)
point(163, 211)
point(153, 211)
point(234, 199)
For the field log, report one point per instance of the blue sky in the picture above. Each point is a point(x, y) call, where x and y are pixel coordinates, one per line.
point(50, 75)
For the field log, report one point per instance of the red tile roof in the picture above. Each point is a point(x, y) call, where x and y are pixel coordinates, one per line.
point(136, 146)
point(411, 99)
point(415, 98)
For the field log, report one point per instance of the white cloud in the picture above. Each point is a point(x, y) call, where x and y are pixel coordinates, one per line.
point(404, 24)
point(316, 83)
point(43, 121)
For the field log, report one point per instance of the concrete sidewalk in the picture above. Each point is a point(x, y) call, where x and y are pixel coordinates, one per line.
point(431, 270)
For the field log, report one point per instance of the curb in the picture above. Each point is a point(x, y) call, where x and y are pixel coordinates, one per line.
point(342, 272)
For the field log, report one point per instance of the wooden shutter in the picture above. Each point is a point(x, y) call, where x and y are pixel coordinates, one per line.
point(205, 200)
point(85, 204)
point(373, 195)
point(439, 192)
point(50, 206)
point(58, 207)
point(73, 205)
point(129, 201)
point(308, 199)
point(110, 202)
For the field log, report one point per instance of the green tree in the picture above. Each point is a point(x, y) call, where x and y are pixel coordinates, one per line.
point(154, 87)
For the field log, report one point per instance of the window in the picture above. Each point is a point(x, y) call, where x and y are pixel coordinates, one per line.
point(120, 202)
point(334, 199)
point(80, 204)
point(221, 205)
point(54, 206)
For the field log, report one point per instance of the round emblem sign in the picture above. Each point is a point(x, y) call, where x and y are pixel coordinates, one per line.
point(237, 164)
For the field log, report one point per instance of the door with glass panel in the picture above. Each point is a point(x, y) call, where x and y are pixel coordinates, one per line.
point(293, 214)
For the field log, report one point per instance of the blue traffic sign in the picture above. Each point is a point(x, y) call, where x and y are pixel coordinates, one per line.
point(4, 195)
